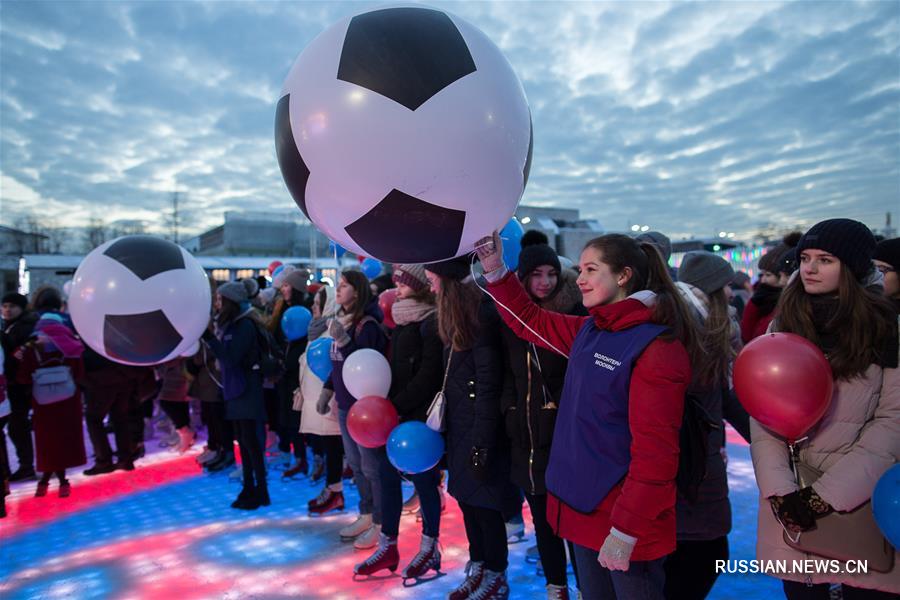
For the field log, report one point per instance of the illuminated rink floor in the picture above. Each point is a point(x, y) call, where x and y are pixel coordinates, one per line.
point(166, 530)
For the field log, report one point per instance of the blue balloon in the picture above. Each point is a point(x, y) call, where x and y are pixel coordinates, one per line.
point(413, 447)
point(336, 249)
point(886, 505)
point(371, 267)
point(277, 271)
point(295, 322)
point(511, 235)
point(318, 357)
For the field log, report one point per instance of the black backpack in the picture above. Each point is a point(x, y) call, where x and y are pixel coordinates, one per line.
point(696, 427)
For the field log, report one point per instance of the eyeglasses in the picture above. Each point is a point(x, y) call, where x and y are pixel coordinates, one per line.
point(885, 269)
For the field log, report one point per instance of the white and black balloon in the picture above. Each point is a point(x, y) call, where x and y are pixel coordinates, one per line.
point(404, 134)
point(140, 300)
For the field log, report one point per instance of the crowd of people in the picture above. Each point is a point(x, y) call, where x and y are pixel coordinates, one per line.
point(598, 394)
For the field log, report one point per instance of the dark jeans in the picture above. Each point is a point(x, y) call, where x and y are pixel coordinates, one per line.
point(691, 569)
point(644, 580)
point(355, 459)
point(334, 458)
point(112, 401)
point(392, 497)
point(20, 425)
point(251, 436)
point(221, 432)
point(178, 411)
point(795, 590)
point(137, 412)
point(486, 532)
point(552, 549)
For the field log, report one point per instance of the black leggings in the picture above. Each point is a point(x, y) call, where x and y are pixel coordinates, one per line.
point(177, 411)
point(486, 532)
point(334, 458)
point(795, 590)
point(552, 549)
point(251, 435)
point(691, 569)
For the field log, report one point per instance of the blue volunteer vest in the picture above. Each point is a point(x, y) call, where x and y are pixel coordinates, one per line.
point(591, 447)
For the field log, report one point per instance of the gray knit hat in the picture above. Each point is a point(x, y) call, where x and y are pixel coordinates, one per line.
point(297, 279)
point(705, 271)
point(285, 271)
point(239, 291)
point(411, 275)
point(660, 240)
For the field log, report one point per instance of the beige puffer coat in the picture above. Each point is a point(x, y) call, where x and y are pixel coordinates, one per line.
point(306, 396)
point(856, 441)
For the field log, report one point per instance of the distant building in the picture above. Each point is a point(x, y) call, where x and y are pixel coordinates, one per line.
point(565, 229)
point(36, 270)
point(259, 233)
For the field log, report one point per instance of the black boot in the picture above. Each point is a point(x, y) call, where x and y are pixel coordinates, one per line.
point(262, 494)
point(246, 493)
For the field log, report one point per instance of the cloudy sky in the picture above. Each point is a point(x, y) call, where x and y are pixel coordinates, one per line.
point(690, 117)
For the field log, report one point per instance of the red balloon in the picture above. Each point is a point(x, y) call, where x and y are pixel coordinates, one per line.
point(274, 265)
point(386, 302)
point(785, 382)
point(371, 420)
point(313, 288)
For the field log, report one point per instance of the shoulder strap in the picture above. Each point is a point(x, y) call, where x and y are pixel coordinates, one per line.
point(447, 370)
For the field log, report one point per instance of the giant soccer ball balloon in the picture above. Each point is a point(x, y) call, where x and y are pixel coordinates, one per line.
point(404, 134)
point(140, 300)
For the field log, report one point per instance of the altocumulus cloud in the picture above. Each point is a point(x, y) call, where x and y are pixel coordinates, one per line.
point(692, 117)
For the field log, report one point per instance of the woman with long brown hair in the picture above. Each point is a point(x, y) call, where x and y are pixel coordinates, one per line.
point(611, 476)
point(834, 304)
point(356, 325)
point(477, 449)
point(703, 511)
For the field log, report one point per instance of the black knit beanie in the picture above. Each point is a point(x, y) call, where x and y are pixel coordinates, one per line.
point(889, 251)
point(456, 268)
point(849, 240)
point(15, 298)
point(536, 256)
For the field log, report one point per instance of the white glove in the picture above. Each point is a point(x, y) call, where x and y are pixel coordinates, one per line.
point(615, 554)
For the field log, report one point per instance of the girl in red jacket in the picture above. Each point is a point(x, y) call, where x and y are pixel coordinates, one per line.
point(611, 476)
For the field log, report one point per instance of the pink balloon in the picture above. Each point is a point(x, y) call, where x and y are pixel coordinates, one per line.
point(371, 420)
point(785, 382)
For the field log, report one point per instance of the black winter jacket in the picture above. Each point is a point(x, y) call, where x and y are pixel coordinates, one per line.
point(531, 393)
point(474, 387)
point(417, 368)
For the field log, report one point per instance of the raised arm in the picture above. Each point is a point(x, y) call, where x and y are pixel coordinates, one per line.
point(553, 331)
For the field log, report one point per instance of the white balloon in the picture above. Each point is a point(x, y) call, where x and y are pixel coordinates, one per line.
point(140, 300)
point(192, 350)
point(67, 288)
point(366, 372)
point(467, 147)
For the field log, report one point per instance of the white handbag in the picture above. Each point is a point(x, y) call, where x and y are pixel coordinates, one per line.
point(52, 384)
point(438, 407)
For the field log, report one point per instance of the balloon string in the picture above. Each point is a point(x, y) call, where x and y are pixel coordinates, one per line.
point(509, 310)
